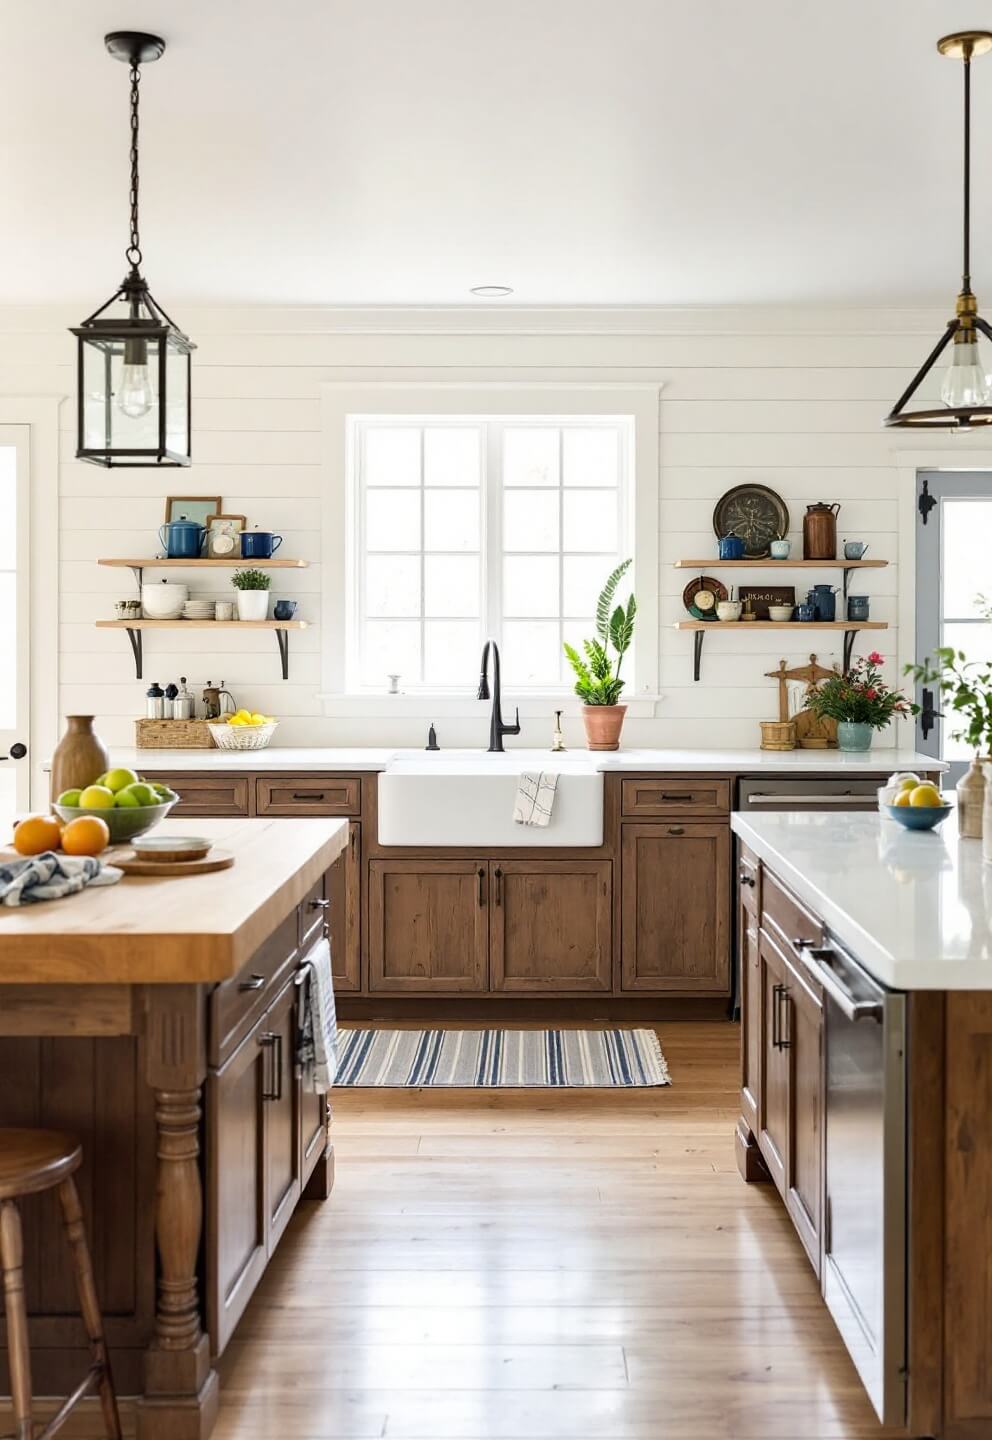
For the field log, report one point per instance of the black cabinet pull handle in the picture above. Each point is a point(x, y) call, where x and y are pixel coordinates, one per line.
point(277, 1064)
point(775, 990)
point(267, 1040)
point(320, 904)
point(499, 885)
point(800, 943)
point(676, 829)
point(309, 795)
point(482, 884)
point(254, 982)
point(783, 1043)
point(746, 879)
point(685, 799)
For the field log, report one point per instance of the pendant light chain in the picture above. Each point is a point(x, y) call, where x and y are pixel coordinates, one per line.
point(133, 251)
point(966, 273)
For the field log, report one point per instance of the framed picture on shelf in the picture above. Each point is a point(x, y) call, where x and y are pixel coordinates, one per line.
point(761, 596)
point(192, 507)
point(224, 536)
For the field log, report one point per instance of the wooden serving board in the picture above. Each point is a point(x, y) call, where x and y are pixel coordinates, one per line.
point(132, 865)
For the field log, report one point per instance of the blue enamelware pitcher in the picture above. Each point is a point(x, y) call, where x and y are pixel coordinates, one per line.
point(823, 599)
point(181, 539)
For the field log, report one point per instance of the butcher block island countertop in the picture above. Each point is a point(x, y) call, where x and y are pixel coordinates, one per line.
point(152, 930)
point(157, 1020)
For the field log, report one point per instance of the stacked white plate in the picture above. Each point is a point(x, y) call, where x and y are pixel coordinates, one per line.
point(198, 610)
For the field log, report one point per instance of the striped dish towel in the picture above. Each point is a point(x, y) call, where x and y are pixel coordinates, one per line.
point(535, 798)
point(317, 1026)
point(49, 877)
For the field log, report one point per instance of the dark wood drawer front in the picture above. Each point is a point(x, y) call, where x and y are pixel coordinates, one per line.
point(209, 795)
point(308, 796)
point(700, 799)
point(236, 1003)
point(314, 914)
point(748, 880)
point(785, 918)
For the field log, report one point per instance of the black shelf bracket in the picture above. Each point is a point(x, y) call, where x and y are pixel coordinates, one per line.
point(849, 638)
point(135, 638)
point(697, 652)
point(282, 640)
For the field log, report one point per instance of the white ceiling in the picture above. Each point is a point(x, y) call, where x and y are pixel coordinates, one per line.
point(582, 151)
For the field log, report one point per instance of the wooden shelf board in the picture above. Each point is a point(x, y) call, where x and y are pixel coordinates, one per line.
point(145, 563)
point(201, 624)
point(781, 625)
point(779, 564)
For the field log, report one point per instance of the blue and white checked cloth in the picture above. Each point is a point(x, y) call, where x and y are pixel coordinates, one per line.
point(50, 876)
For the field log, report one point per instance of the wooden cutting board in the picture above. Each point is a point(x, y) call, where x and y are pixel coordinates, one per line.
point(130, 863)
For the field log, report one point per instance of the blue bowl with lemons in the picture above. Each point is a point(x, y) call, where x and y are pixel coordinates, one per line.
point(129, 805)
point(921, 807)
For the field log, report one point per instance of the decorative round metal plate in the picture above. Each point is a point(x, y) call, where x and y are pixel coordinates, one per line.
point(712, 591)
point(755, 513)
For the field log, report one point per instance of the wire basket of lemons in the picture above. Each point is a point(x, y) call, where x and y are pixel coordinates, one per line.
point(244, 730)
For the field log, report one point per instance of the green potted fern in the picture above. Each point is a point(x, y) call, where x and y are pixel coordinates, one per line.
point(598, 684)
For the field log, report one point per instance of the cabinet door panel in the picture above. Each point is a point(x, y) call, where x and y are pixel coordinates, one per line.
point(236, 1226)
point(550, 923)
point(283, 1179)
point(313, 1130)
point(773, 1083)
point(676, 908)
point(344, 882)
point(429, 925)
point(750, 991)
point(803, 1023)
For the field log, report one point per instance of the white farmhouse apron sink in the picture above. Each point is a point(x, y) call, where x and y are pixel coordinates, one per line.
point(465, 798)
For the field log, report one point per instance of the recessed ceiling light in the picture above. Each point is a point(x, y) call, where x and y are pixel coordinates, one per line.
point(492, 292)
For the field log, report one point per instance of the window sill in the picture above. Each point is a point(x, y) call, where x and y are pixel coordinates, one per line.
point(423, 706)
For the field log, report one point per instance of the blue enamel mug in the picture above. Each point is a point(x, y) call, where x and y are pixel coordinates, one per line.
point(731, 547)
point(259, 544)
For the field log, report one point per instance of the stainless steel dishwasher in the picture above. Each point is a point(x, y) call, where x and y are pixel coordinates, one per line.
point(854, 792)
point(864, 1260)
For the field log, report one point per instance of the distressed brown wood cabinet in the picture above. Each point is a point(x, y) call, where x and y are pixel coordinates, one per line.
point(780, 1137)
point(647, 914)
point(169, 1050)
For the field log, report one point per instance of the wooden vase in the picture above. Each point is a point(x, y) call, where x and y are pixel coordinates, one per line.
point(80, 756)
point(603, 725)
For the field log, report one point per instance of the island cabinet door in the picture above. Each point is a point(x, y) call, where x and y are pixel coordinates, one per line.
point(550, 925)
point(344, 884)
point(750, 995)
point(236, 1249)
point(802, 1026)
point(283, 1161)
point(773, 1066)
point(676, 908)
point(429, 925)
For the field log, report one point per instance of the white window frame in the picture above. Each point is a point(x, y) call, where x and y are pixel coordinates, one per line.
point(343, 401)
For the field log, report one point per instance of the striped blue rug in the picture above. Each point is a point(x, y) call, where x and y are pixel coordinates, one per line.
point(497, 1059)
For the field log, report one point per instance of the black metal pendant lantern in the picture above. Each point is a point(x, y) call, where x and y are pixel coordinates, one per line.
point(133, 373)
point(966, 390)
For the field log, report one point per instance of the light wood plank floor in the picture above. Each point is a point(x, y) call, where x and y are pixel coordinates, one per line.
point(544, 1266)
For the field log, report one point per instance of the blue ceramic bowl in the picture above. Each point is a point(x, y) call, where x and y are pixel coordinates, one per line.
point(919, 817)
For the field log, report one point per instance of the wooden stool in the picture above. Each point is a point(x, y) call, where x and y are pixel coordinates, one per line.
point(32, 1161)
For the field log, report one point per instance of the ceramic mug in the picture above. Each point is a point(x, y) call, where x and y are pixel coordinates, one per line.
point(224, 610)
point(857, 607)
point(855, 549)
point(728, 609)
point(780, 549)
point(259, 544)
point(805, 612)
point(284, 609)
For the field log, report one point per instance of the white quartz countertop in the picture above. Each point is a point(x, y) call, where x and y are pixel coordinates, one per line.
point(915, 907)
point(735, 762)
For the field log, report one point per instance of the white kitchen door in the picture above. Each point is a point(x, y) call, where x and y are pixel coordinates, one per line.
point(15, 619)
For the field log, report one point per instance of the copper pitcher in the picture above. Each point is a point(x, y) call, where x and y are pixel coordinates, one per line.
point(820, 531)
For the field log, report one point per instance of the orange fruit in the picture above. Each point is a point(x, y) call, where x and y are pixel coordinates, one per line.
point(36, 833)
point(86, 835)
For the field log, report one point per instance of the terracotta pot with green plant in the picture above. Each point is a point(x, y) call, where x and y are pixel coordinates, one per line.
point(861, 702)
point(253, 593)
point(598, 684)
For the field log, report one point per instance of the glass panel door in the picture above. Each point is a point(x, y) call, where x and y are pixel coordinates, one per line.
point(14, 623)
point(953, 592)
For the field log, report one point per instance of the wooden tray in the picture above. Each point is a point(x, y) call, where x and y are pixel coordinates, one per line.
point(131, 865)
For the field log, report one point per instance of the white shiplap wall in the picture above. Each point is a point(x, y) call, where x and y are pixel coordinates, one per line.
point(792, 399)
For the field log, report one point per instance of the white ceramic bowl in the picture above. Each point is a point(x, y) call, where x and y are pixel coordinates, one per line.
point(164, 600)
point(728, 610)
point(780, 612)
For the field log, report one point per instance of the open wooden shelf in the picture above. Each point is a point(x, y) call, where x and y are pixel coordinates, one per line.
point(146, 563)
point(135, 627)
point(768, 564)
point(849, 628)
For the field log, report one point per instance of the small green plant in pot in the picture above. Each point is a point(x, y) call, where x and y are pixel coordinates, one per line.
point(861, 702)
point(253, 593)
point(598, 684)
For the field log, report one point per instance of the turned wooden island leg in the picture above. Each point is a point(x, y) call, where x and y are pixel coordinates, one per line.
point(181, 1389)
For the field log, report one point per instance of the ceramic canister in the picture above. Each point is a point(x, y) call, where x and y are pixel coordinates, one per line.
point(780, 549)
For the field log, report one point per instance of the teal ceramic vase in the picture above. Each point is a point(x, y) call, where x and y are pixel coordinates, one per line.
point(853, 735)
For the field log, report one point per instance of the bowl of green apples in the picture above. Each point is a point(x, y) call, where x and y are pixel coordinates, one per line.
point(128, 804)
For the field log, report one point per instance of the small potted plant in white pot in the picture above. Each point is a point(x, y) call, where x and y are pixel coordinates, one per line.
point(598, 684)
point(253, 593)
